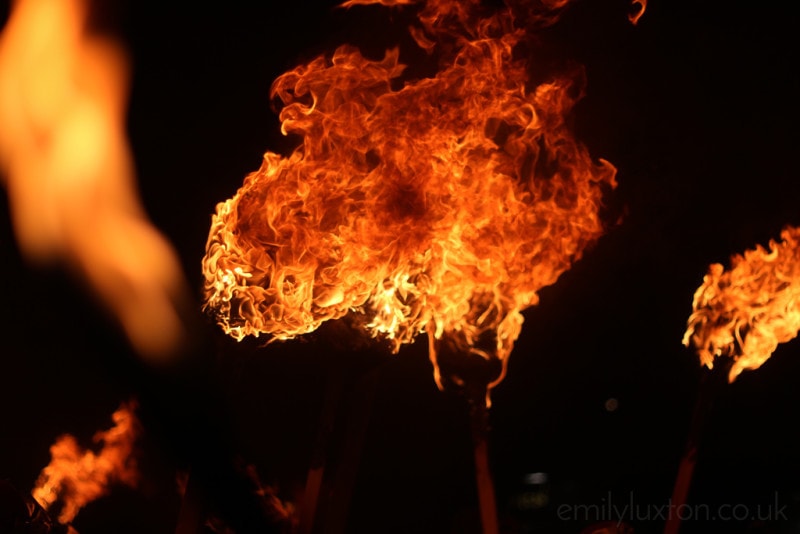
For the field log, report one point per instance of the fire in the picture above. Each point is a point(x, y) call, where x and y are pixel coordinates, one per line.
point(439, 205)
point(68, 168)
point(640, 6)
point(743, 313)
point(76, 477)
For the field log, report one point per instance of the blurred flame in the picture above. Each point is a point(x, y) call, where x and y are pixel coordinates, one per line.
point(439, 205)
point(743, 313)
point(68, 168)
point(640, 6)
point(76, 477)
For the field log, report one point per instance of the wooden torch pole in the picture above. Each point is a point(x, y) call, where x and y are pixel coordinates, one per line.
point(710, 383)
point(469, 372)
point(479, 423)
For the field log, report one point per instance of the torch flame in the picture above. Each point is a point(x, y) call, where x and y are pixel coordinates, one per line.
point(75, 477)
point(640, 6)
point(69, 172)
point(439, 205)
point(743, 313)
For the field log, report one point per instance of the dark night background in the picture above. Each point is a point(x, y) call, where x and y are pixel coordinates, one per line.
point(697, 108)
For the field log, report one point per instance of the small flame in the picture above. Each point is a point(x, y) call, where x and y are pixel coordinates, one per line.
point(639, 7)
point(75, 476)
point(69, 173)
point(441, 205)
point(743, 313)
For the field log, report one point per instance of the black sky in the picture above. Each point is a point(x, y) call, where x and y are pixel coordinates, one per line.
point(696, 107)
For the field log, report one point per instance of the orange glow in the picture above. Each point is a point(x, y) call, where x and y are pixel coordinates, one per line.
point(68, 169)
point(75, 476)
point(438, 205)
point(743, 313)
point(640, 6)
point(350, 3)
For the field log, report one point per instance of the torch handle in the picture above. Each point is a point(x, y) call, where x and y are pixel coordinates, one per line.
point(710, 384)
point(479, 415)
point(316, 471)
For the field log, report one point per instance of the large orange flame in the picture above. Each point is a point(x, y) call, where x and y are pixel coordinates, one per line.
point(439, 205)
point(75, 476)
point(68, 168)
point(743, 313)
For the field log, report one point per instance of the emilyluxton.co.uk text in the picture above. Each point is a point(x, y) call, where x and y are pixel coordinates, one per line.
point(630, 510)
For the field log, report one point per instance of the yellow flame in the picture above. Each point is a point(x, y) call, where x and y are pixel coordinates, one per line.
point(76, 477)
point(745, 312)
point(441, 205)
point(68, 170)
